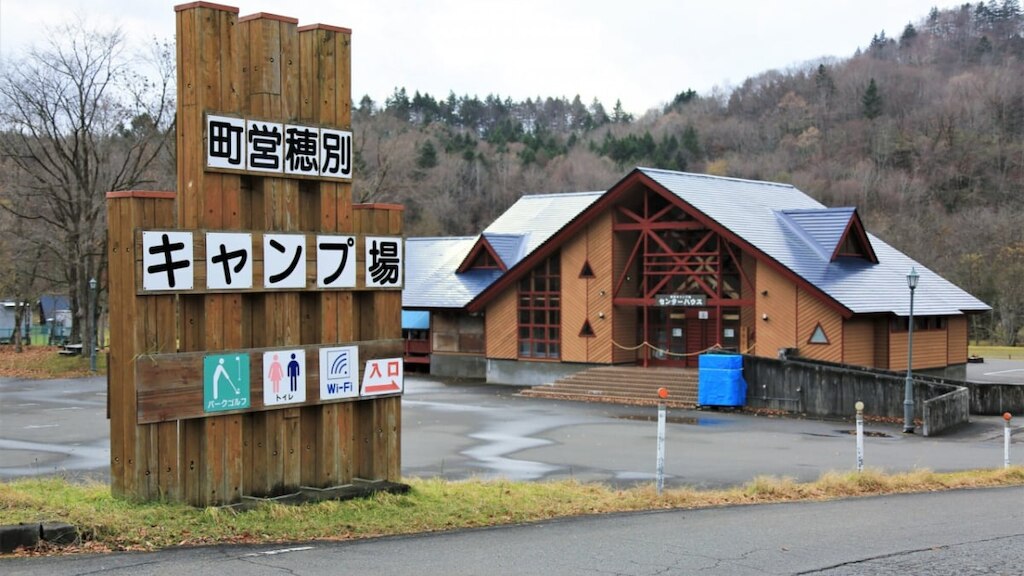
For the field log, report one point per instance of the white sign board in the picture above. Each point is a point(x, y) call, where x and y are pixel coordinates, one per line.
point(228, 260)
point(383, 261)
point(284, 377)
point(284, 260)
point(167, 260)
point(339, 372)
point(336, 261)
point(382, 376)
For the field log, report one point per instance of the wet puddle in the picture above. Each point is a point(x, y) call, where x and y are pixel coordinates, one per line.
point(687, 420)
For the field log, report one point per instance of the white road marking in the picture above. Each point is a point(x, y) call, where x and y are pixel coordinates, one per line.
point(279, 551)
point(65, 408)
point(1004, 372)
point(37, 426)
point(28, 404)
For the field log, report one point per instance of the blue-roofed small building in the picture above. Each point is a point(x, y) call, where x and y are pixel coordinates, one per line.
point(666, 265)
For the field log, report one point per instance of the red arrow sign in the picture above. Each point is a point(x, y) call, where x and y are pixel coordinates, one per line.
point(378, 388)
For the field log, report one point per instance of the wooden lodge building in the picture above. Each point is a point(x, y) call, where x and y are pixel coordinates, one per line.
point(665, 265)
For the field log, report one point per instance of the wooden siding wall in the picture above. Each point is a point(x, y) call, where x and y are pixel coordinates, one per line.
point(776, 297)
point(810, 312)
point(929, 349)
point(575, 293)
point(859, 342)
point(748, 318)
point(881, 330)
point(457, 332)
point(956, 344)
point(502, 324)
point(587, 299)
point(624, 319)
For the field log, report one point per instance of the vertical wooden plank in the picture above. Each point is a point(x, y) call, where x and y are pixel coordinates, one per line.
point(118, 261)
point(209, 74)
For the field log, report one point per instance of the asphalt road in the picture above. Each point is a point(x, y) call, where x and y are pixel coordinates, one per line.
point(940, 534)
point(461, 431)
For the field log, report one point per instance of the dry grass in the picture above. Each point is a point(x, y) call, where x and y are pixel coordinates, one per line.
point(431, 505)
point(38, 362)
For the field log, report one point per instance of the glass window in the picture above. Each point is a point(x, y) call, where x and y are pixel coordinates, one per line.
point(539, 317)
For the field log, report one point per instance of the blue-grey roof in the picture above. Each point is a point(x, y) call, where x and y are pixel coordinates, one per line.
point(430, 278)
point(762, 213)
point(536, 218)
point(509, 247)
point(821, 228)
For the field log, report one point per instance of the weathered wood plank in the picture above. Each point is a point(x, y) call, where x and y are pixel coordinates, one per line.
point(171, 385)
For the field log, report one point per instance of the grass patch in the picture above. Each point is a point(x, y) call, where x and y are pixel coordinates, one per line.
point(997, 352)
point(431, 505)
point(40, 362)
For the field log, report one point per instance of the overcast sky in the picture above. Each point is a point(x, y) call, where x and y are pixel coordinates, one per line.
point(643, 52)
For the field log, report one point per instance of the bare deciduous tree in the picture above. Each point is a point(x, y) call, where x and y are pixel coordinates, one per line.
point(82, 116)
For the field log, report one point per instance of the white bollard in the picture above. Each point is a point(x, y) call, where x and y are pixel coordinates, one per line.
point(859, 406)
point(1006, 439)
point(660, 467)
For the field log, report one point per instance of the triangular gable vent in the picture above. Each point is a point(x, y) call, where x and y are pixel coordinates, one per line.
point(586, 271)
point(587, 331)
point(818, 336)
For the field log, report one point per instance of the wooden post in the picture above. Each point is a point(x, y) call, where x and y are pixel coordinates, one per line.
point(143, 459)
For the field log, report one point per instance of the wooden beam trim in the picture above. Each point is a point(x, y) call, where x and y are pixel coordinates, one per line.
point(210, 5)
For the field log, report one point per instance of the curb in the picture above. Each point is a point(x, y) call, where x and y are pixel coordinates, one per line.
point(13, 536)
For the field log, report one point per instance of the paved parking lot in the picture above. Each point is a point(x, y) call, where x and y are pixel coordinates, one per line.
point(465, 430)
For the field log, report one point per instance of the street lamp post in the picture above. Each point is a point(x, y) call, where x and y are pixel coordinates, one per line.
point(92, 319)
point(908, 391)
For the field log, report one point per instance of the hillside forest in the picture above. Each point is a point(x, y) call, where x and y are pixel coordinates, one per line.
point(922, 130)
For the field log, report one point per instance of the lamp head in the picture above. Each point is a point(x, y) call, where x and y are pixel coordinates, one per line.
point(92, 283)
point(912, 278)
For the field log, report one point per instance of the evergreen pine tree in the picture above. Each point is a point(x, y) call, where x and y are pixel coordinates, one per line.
point(872, 101)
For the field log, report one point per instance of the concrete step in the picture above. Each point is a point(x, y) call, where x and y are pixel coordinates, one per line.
point(624, 385)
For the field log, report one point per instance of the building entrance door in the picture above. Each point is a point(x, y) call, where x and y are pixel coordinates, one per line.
point(680, 334)
point(667, 327)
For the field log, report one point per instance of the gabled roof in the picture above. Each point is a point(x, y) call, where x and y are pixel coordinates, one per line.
point(826, 229)
point(749, 210)
point(510, 248)
point(432, 264)
point(777, 223)
point(430, 278)
point(477, 252)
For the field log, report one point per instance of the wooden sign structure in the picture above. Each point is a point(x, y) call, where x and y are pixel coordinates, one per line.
point(164, 444)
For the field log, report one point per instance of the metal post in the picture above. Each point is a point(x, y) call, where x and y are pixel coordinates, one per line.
point(660, 474)
point(859, 406)
point(908, 391)
point(1006, 439)
point(92, 322)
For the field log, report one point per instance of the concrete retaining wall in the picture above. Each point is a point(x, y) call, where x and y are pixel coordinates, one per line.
point(458, 366)
point(995, 399)
point(831, 390)
point(530, 373)
point(946, 411)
